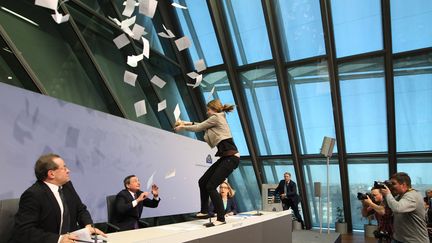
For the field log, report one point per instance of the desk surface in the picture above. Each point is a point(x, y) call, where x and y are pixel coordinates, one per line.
point(188, 231)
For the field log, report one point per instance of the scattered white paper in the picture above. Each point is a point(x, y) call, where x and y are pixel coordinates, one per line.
point(178, 6)
point(60, 18)
point(150, 181)
point(182, 43)
point(211, 94)
point(158, 81)
point(133, 60)
point(177, 112)
point(146, 47)
point(167, 34)
point(198, 80)
point(83, 234)
point(148, 7)
point(192, 75)
point(130, 78)
point(140, 108)
point(127, 22)
point(170, 174)
point(170, 33)
point(162, 105)
point(128, 31)
point(138, 31)
point(121, 41)
point(115, 20)
point(129, 8)
point(200, 65)
point(136, 3)
point(51, 4)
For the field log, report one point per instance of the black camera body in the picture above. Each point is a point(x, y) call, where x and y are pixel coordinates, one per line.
point(382, 184)
point(379, 234)
point(363, 196)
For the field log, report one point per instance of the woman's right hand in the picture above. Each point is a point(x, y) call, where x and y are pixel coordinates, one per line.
point(178, 123)
point(179, 128)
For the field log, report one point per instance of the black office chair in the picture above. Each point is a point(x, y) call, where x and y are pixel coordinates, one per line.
point(110, 211)
point(8, 209)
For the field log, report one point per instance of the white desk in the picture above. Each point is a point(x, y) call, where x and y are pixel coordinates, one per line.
point(272, 227)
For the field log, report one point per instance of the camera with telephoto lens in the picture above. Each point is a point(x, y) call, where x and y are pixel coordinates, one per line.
point(363, 196)
point(382, 184)
point(379, 234)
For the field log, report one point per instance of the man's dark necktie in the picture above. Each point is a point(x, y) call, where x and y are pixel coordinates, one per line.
point(66, 217)
point(136, 225)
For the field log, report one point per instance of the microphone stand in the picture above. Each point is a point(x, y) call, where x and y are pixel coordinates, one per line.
point(95, 237)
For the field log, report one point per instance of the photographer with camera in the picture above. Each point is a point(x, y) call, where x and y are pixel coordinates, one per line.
point(374, 203)
point(408, 211)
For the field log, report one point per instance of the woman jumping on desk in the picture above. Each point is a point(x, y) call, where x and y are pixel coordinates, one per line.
point(217, 134)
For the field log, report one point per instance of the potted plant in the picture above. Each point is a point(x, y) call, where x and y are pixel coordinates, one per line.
point(341, 225)
point(369, 228)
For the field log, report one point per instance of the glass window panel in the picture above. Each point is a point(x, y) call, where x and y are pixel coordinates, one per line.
point(362, 88)
point(222, 90)
point(357, 26)
point(311, 98)
point(197, 25)
point(11, 71)
point(263, 99)
point(413, 103)
point(316, 171)
point(274, 170)
point(171, 94)
point(243, 180)
point(301, 28)
point(249, 34)
point(370, 169)
point(410, 22)
point(418, 170)
point(96, 5)
point(112, 62)
point(55, 55)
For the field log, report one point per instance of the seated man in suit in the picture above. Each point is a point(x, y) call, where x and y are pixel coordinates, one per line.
point(51, 207)
point(287, 190)
point(130, 201)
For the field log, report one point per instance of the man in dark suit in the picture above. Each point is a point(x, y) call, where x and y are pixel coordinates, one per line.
point(287, 190)
point(51, 207)
point(130, 201)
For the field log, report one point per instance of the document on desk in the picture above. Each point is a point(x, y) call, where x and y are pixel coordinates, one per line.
point(85, 236)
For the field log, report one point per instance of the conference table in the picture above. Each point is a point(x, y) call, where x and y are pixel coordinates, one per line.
point(245, 227)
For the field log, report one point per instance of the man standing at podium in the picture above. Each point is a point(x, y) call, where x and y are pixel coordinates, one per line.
point(287, 190)
point(130, 201)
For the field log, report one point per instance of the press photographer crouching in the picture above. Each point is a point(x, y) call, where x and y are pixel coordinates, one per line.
point(373, 203)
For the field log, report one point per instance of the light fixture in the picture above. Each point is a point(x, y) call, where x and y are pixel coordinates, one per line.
point(19, 16)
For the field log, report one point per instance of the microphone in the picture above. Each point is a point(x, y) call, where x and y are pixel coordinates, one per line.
point(95, 235)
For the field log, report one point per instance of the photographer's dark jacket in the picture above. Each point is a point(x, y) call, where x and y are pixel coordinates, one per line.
point(291, 192)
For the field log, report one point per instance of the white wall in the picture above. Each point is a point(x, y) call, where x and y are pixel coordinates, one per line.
point(99, 149)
